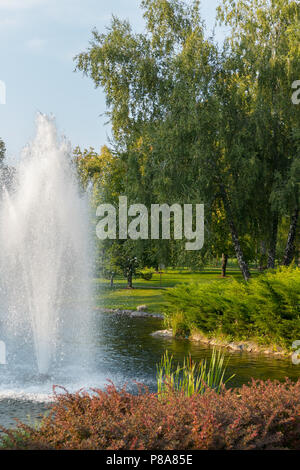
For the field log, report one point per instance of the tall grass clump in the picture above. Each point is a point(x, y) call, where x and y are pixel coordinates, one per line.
point(191, 378)
point(267, 308)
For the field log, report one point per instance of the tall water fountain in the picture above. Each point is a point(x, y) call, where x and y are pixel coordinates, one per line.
point(44, 262)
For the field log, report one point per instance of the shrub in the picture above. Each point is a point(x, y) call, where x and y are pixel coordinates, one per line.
point(263, 415)
point(146, 274)
point(180, 326)
point(267, 307)
point(274, 303)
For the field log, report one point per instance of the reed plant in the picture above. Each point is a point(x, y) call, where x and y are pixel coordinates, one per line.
point(191, 377)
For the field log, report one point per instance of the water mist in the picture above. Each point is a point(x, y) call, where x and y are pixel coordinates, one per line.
point(44, 259)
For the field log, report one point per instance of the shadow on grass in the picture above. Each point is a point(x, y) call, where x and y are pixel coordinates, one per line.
point(151, 292)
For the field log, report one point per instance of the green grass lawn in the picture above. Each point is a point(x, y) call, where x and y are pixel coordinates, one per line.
point(151, 292)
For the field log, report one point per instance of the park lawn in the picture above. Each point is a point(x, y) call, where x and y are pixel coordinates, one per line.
point(151, 293)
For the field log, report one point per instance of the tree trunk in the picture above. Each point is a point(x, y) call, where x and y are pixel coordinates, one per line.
point(273, 243)
point(263, 257)
point(224, 264)
point(290, 246)
point(235, 237)
point(129, 280)
point(112, 280)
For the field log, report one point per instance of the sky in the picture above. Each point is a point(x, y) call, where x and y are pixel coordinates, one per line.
point(38, 41)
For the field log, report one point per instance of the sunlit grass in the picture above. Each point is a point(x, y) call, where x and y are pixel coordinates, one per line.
point(151, 292)
point(130, 299)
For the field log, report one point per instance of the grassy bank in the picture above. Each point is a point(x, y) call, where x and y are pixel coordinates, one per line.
point(151, 293)
point(265, 310)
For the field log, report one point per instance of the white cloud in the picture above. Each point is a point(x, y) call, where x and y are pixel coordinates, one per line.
point(19, 4)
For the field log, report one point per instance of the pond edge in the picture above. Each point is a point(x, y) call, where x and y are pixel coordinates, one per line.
point(239, 346)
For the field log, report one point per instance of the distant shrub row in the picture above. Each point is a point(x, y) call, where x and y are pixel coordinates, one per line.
point(263, 415)
point(266, 308)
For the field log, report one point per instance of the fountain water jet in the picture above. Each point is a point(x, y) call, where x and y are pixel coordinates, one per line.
point(44, 256)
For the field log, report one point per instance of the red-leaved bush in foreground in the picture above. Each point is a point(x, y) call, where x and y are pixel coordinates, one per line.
point(262, 415)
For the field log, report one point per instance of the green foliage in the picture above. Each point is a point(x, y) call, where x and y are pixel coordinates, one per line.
point(146, 274)
point(191, 378)
point(192, 123)
point(122, 259)
point(103, 171)
point(267, 308)
point(274, 305)
point(263, 42)
point(151, 292)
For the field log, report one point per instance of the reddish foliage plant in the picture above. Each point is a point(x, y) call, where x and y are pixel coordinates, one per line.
point(262, 415)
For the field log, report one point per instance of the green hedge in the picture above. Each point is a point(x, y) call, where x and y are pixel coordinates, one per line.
point(266, 308)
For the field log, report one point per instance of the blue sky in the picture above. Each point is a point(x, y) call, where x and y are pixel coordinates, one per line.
point(39, 39)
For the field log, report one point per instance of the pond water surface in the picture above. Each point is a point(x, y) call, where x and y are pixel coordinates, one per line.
point(124, 352)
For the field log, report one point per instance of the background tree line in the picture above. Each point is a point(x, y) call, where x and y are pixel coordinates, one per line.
point(198, 122)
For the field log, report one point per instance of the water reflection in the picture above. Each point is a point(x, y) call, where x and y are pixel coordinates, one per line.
point(124, 352)
point(126, 347)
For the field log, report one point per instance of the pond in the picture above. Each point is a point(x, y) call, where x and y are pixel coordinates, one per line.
point(124, 352)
